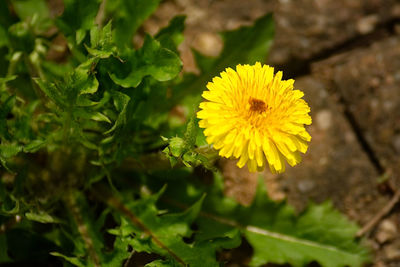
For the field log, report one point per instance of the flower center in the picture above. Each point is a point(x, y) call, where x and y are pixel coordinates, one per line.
point(257, 105)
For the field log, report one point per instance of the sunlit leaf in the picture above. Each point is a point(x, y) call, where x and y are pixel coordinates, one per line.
point(152, 59)
point(128, 16)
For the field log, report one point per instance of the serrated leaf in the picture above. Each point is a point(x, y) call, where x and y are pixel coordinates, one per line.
point(276, 233)
point(52, 92)
point(101, 41)
point(163, 234)
point(128, 16)
point(71, 90)
point(121, 102)
point(88, 236)
point(151, 60)
point(177, 146)
point(191, 132)
point(78, 17)
point(84, 79)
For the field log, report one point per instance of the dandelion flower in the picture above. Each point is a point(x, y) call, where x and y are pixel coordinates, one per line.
point(255, 116)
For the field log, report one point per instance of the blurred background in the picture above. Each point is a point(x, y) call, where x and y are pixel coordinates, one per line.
point(345, 56)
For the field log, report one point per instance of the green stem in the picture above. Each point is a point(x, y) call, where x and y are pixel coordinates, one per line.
point(73, 207)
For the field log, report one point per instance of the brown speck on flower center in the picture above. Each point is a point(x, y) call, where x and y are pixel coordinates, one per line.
point(257, 105)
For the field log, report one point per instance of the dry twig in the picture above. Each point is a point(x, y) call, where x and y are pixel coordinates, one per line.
point(378, 217)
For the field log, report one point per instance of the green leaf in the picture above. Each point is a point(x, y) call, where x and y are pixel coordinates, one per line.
point(7, 79)
point(191, 132)
point(128, 16)
point(87, 236)
point(273, 229)
point(319, 234)
point(6, 17)
point(90, 115)
point(10, 205)
point(121, 102)
point(22, 37)
point(73, 260)
point(204, 63)
point(247, 44)
point(3, 38)
point(27, 8)
point(9, 150)
point(78, 17)
point(162, 263)
point(71, 90)
point(52, 92)
point(152, 59)
point(172, 36)
point(34, 146)
point(177, 146)
point(41, 217)
point(101, 41)
point(163, 234)
point(83, 78)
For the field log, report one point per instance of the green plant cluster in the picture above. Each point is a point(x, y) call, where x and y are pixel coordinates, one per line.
point(102, 160)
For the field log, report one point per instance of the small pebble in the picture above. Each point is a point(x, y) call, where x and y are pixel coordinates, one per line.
point(324, 119)
point(392, 252)
point(367, 24)
point(387, 231)
point(305, 186)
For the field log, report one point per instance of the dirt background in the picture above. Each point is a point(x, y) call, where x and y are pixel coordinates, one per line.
point(345, 56)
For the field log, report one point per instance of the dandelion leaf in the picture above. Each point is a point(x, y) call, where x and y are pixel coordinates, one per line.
point(128, 16)
point(276, 233)
point(78, 17)
point(151, 60)
point(167, 234)
point(172, 35)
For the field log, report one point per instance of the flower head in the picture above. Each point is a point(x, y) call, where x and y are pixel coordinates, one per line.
point(255, 116)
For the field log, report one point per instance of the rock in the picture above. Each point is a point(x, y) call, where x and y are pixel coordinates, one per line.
point(367, 24)
point(305, 186)
point(392, 251)
point(208, 43)
point(375, 103)
point(386, 231)
point(324, 119)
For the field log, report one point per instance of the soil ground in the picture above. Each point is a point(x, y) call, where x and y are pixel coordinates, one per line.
point(345, 56)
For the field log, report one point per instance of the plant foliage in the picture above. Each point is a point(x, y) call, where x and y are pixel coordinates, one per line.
point(97, 168)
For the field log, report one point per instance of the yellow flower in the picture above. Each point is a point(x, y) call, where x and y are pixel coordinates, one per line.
point(254, 115)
